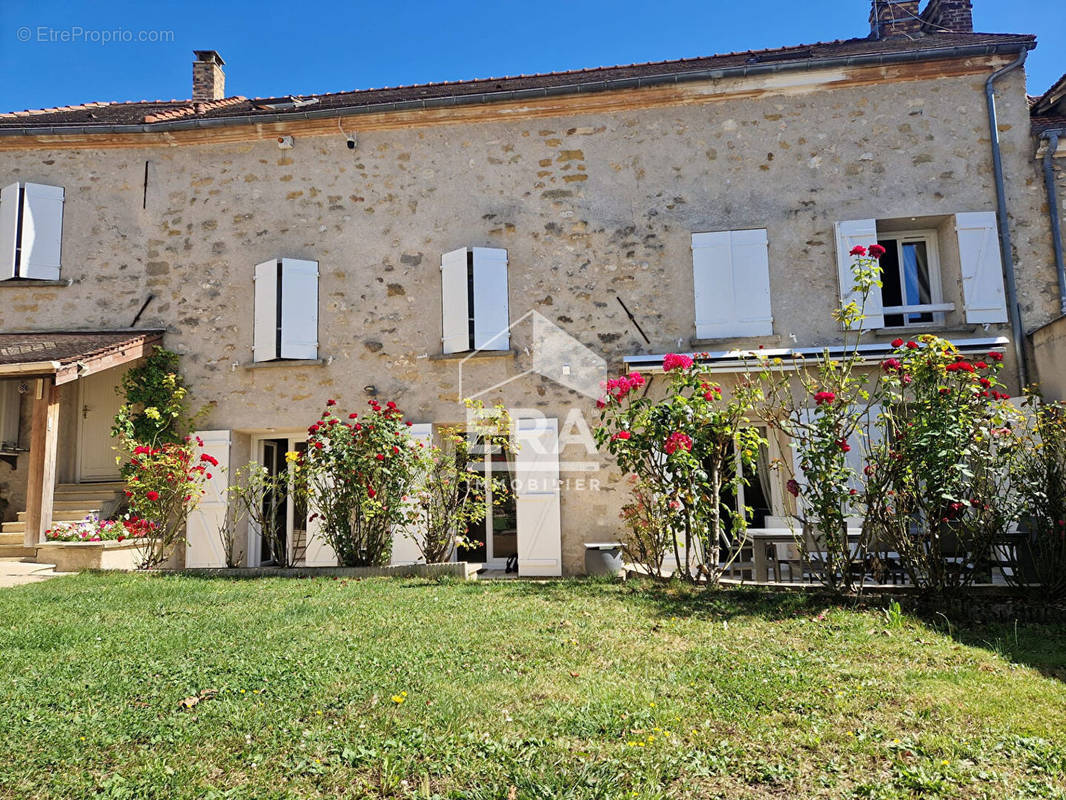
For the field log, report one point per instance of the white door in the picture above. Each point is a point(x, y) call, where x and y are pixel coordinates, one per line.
point(98, 402)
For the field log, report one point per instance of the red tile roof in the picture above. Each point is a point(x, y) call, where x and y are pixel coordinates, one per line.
point(68, 347)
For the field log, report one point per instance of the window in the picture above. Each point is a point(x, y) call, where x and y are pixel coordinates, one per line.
point(474, 300)
point(921, 264)
point(731, 282)
point(286, 310)
point(910, 274)
point(31, 231)
point(494, 539)
point(10, 406)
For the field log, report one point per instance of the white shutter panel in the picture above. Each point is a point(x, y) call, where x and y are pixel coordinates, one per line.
point(405, 548)
point(10, 404)
point(203, 541)
point(299, 309)
point(265, 335)
point(42, 232)
point(850, 233)
point(712, 276)
point(9, 216)
point(491, 319)
point(454, 301)
point(982, 267)
point(317, 551)
point(731, 279)
point(537, 497)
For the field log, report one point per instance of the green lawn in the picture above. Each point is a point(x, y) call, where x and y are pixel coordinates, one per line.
point(513, 689)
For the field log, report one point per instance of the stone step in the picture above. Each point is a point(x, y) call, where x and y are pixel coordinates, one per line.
point(78, 488)
point(13, 527)
point(11, 539)
point(65, 514)
point(17, 551)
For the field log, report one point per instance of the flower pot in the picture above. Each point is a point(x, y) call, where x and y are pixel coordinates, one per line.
point(78, 556)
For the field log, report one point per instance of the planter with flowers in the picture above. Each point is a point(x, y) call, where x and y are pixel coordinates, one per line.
point(94, 543)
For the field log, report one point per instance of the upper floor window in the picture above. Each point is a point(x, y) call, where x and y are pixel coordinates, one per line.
point(31, 231)
point(731, 282)
point(474, 311)
point(931, 266)
point(286, 310)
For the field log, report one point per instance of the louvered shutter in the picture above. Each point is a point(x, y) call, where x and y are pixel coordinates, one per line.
point(455, 301)
point(42, 232)
point(850, 233)
point(9, 217)
point(202, 529)
point(265, 335)
point(491, 318)
point(405, 545)
point(299, 309)
point(537, 497)
point(982, 267)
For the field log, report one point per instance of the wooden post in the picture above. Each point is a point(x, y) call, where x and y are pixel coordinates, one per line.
point(41, 486)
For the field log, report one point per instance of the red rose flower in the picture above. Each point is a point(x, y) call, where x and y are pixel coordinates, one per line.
point(371, 492)
point(843, 445)
point(677, 441)
point(912, 345)
point(331, 402)
point(674, 361)
point(897, 342)
point(621, 435)
point(876, 251)
point(380, 457)
point(821, 398)
point(152, 495)
point(793, 487)
point(858, 250)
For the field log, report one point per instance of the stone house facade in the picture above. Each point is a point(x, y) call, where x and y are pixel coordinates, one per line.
point(296, 249)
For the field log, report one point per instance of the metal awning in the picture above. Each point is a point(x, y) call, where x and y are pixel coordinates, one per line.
point(784, 358)
point(69, 355)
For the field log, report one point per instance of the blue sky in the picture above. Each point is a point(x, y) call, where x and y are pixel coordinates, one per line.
point(276, 48)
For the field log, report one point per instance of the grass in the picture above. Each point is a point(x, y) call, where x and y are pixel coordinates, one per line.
point(393, 688)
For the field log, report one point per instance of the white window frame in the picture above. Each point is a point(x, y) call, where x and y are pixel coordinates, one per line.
point(937, 307)
point(31, 231)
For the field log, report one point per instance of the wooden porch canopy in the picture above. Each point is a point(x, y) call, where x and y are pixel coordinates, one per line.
point(44, 361)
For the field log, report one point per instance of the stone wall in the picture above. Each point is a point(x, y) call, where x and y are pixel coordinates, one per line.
point(591, 209)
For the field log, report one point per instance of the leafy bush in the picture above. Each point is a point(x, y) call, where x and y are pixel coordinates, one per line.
point(687, 450)
point(358, 475)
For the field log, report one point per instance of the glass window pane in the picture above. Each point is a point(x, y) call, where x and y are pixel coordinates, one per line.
point(916, 279)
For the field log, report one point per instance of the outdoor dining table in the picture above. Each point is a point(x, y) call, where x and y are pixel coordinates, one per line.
point(761, 538)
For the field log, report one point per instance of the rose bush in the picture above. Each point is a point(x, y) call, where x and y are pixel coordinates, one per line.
point(358, 473)
point(686, 451)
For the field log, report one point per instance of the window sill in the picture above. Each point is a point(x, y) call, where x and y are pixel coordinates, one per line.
point(290, 362)
point(26, 283)
point(473, 354)
point(734, 342)
point(917, 330)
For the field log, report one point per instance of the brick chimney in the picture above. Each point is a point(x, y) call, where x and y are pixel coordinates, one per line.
point(948, 15)
point(208, 79)
point(890, 18)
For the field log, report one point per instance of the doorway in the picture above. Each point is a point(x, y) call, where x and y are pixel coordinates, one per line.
point(272, 456)
point(98, 403)
point(494, 539)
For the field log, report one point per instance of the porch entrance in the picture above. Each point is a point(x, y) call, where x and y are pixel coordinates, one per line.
point(290, 514)
point(98, 402)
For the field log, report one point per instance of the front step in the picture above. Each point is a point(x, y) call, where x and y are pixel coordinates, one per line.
point(17, 551)
point(66, 515)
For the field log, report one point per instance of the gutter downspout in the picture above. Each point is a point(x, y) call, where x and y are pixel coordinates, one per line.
point(1005, 249)
point(1053, 212)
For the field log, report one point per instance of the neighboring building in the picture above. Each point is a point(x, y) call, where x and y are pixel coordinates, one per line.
point(300, 248)
point(1049, 134)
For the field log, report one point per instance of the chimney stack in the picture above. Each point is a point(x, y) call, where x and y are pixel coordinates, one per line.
point(208, 79)
point(948, 15)
point(890, 18)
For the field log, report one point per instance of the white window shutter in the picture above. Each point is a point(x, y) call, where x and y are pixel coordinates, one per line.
point(203, 540)
point(299, 309)
point(537, 497)
point(731, 279)
point(455, 301)
point(265, 335)
point(10, 406)
point(982, 267)
point(405, 544)
point(317, 551)
point(9, 219)
point(491, 319)
point(850, 233)
point(42, 232)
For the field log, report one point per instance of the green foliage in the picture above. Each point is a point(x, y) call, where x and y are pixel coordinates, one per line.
point(358, 474)
point(260, 497)
point(156, 407)
point(688, 450)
